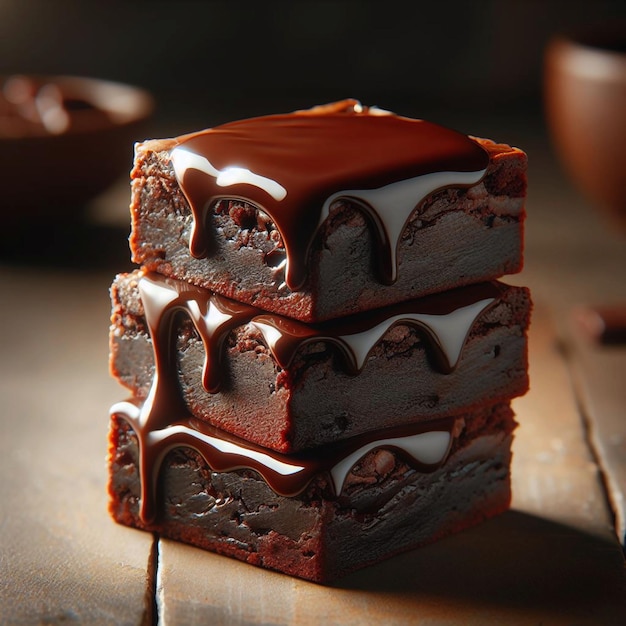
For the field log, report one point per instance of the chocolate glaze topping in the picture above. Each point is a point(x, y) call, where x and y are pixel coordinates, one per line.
point(426, 447)
point(445, 320)
point(295, 166)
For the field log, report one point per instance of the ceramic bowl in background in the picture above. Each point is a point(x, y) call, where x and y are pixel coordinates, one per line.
point(585, 104)
point(63, 140)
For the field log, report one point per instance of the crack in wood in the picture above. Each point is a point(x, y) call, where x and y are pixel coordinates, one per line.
point(583, 368)
point(151, 612)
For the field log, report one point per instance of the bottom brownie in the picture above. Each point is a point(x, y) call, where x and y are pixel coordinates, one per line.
point(384, 506)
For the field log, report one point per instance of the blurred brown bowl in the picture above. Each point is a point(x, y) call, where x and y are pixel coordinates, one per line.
point(585, 98)
point(54, 171)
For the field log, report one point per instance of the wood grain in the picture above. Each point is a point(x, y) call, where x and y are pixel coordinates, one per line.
point(599, 374)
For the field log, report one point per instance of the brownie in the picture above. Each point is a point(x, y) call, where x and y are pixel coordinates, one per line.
point(288, 385)
point(319, 354)
point(328, 212)
point(387, 503)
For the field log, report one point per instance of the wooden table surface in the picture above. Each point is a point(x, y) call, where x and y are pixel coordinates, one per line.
point(555, 558)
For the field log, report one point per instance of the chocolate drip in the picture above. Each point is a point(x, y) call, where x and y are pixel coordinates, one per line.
point(444, 319)
point(295, 166)
point(214, 317)
point(287, 475)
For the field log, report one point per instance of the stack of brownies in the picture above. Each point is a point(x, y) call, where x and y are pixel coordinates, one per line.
point(320, 358)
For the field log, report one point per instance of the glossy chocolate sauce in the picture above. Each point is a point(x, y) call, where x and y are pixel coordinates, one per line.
point(295, 166)
point(426, 447)
point(445, 320)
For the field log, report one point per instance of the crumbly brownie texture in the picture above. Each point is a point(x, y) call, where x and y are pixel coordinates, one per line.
point(342, 393)
point(385, 507)
point(457, 236)
point(315, 400)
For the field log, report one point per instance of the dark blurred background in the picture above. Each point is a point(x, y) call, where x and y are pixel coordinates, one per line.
point(208, 62)
point(475, 66)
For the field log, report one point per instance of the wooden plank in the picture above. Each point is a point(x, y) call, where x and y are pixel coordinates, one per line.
point(553, 559)
point(600, 377)
point(61, 556)
point(575, 257)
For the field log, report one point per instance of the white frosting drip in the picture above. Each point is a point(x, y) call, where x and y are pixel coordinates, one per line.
point(183, 160)
point(428, 448)
point(394, 203)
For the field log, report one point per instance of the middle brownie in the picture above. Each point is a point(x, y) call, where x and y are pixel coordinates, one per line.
point(289, 386)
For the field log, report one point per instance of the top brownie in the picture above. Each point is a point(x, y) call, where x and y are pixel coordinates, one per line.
point(327, 212)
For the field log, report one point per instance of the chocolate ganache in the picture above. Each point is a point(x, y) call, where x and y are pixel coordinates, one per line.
point(426, 447)
point(163, 422)
point(445, 320)
point(296, 166)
